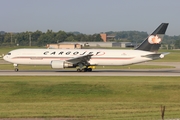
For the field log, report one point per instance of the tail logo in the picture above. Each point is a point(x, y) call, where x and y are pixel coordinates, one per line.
point(154, 39)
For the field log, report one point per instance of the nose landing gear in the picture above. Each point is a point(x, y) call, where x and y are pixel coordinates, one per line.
point(16, 67)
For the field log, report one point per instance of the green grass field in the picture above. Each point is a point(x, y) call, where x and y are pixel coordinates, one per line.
point(92, 98)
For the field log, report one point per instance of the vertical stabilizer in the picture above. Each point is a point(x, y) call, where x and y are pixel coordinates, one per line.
point(153, 42)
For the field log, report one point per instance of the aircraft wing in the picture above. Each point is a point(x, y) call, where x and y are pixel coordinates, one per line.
point(80, 59)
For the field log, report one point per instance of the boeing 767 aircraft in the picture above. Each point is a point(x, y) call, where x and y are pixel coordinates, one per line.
point(83, 59)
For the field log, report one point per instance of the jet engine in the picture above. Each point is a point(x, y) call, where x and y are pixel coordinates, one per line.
point(61, 64)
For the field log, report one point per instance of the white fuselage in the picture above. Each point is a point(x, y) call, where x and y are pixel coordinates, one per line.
point(100, 56)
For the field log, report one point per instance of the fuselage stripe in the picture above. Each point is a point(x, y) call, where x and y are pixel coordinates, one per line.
point(66, 58)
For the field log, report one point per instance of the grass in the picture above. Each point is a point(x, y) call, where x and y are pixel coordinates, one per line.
point(97, 98)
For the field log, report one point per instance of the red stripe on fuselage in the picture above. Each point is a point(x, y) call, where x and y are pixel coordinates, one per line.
point(66, 58)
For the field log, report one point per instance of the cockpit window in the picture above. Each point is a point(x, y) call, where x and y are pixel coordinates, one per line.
point(9, 54)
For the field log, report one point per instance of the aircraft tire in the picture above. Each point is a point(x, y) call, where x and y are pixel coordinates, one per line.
point(89, 69)
point(16, 69)
point(84, 69)
point(79, 70)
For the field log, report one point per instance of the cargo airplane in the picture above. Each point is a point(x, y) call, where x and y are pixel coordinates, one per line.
point(83, 59)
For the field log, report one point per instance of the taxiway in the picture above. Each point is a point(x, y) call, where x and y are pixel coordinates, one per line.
point(166, 72)
point(100, 72)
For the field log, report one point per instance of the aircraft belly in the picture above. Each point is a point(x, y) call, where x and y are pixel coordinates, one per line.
point(107, 62)
point(119, 62)
point(33, 62)
point(41, 62)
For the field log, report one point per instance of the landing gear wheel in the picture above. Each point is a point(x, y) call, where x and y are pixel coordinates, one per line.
point(79, 70)
point(16, 69)
point(84, 69)
point(89, 69)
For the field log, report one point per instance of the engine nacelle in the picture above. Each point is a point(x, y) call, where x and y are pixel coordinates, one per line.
point(60, 64)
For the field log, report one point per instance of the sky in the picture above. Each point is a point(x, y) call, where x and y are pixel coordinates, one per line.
point(89, 16)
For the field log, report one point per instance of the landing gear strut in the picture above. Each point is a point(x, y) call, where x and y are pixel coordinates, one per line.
point(16, 67)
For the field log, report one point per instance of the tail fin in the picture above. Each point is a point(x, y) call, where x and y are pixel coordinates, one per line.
point(153, 42)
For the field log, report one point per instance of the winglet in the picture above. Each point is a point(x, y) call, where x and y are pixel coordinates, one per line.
point(153, 42)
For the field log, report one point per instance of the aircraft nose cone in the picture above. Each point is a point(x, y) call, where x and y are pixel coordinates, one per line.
point(5, 57)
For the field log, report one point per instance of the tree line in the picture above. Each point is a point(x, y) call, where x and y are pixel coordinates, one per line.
point(39, 38)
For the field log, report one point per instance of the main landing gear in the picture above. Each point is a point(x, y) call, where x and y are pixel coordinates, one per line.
point(82, 67)
point(84, 70)
point(16, 67)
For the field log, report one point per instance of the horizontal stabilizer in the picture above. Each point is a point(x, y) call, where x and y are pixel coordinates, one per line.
point(155, 56)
